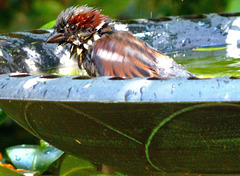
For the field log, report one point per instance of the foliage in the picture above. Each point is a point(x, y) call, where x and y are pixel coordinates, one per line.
point(48, 25)
point(36, 159)
point(3, 116)
point(31, 14)
point(6, 172)
point(233, 6)
point(72, 166)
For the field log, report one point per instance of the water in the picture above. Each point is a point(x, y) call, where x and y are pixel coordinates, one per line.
point(204, 64)
point(209, 63)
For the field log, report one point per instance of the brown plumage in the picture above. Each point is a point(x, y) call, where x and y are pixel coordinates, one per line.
point(103, 51)
point(120, 54)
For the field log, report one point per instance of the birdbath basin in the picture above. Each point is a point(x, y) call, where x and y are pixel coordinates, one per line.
point(172, 125)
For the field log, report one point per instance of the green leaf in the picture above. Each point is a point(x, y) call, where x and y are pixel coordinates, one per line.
point(33, 157)
point(3, 116)
point(44, 144)
point(48, 25)
point(233, 6)
point(209, 49)
point(7, 172)
point(73, 166)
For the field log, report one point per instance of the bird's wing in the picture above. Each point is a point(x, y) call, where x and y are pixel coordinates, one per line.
point(121, 54)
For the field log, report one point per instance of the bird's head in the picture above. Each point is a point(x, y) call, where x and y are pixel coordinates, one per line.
point(77, 25)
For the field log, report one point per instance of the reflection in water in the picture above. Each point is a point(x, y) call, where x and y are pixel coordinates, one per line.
point(211, 63)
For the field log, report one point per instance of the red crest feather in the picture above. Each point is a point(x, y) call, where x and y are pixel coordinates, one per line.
point(87, 19)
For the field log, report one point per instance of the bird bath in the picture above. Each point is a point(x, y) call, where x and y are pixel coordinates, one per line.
point(174, 125)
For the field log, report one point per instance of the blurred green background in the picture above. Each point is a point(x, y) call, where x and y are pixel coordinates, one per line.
point(20, 15)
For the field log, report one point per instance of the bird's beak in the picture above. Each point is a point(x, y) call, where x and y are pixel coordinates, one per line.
point(56, 38)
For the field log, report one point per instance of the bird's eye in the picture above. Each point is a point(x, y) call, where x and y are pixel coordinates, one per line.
point(72, 27)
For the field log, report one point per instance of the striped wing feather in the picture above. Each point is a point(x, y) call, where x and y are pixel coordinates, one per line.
point(121, 54)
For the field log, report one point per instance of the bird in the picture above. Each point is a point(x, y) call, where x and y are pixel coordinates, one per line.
point(102, 50)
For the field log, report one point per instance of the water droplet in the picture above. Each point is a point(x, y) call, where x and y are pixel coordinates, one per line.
point(185, 41)
point(218, 28)
point(69, 92)
point(17, 158)
point(142, 90)
point(204, 24)
point(201, 23)
point(87, 85)
point(3, 85)
point(128, 95)
point(170, 48)
point(173, 88)
point(196, 28)
point(48, 152)
point(45, 93)
point(238, 43)
point(35, 85)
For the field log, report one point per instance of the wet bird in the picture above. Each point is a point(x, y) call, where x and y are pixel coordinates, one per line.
point(104, 51)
